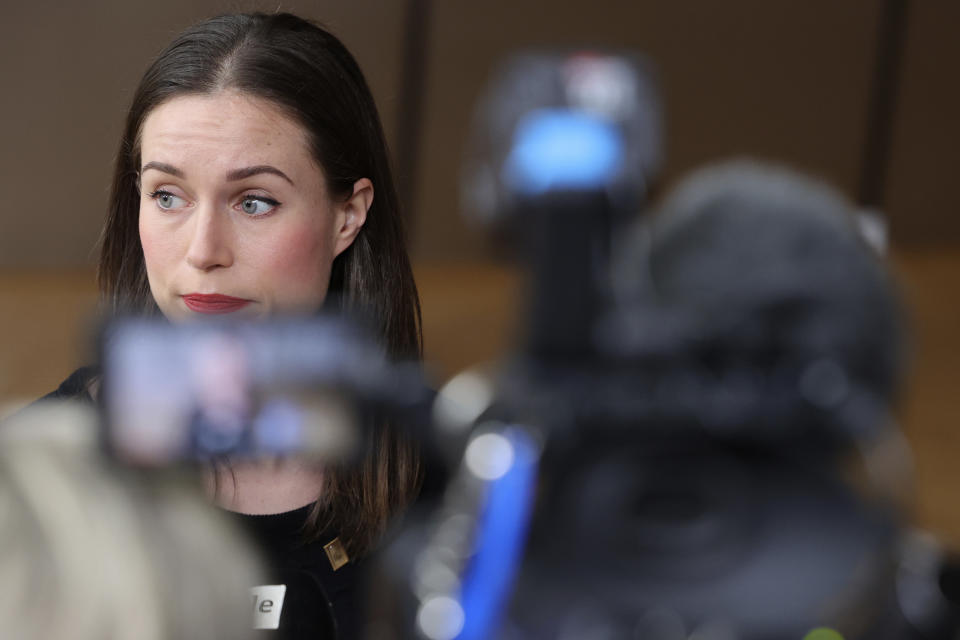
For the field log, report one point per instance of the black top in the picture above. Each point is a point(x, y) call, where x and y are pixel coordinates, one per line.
point(319, 603)
point(76, 387)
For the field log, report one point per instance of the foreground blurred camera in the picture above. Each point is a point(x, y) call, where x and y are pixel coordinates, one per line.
point(694, 437)
point(207, 390)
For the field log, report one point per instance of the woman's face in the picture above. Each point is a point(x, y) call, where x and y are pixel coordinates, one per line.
point(235, 216)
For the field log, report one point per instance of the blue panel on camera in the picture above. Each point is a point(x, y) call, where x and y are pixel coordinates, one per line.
point(562, 149)
point(500, 539)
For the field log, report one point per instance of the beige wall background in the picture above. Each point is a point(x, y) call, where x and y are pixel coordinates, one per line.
point(787, 80)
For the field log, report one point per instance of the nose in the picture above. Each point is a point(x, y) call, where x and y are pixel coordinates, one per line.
point(210, 241)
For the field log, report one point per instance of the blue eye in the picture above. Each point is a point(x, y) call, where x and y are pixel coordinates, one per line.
point(257, 205)
point(167, 201)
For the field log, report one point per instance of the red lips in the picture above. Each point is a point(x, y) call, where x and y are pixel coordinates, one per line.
point(213, 303)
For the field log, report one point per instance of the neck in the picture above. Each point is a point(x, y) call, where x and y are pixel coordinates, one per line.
point(264, 486)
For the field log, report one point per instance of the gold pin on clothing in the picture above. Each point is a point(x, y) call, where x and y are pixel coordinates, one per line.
point(336, 554)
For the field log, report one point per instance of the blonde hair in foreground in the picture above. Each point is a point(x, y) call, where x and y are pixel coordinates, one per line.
point(91, 553)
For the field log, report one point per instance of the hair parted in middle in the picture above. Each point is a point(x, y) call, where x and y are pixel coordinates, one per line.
point(309, 74)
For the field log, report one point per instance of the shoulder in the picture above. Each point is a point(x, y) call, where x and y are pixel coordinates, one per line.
point(76, 387)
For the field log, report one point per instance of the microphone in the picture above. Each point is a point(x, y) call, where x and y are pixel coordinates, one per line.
point(753, 286)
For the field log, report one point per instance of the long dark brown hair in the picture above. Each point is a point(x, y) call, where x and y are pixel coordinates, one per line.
point(309, 74)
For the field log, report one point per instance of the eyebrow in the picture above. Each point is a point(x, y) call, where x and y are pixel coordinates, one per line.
point(162, 166)
point(236, 174)
point(246, 172)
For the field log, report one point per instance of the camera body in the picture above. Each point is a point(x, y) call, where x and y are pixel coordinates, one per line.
point(304, 386)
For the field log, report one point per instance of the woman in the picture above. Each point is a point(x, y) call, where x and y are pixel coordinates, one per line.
point(252, 178)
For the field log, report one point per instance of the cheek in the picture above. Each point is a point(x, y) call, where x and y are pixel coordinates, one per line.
point(299, 262)
point(161, 245)
point(158, 246)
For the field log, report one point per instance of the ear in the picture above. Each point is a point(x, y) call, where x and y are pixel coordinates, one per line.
point(352, 214)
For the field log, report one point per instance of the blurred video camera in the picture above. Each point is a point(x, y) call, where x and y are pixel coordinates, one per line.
point(196, 392)
point(693, 437)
